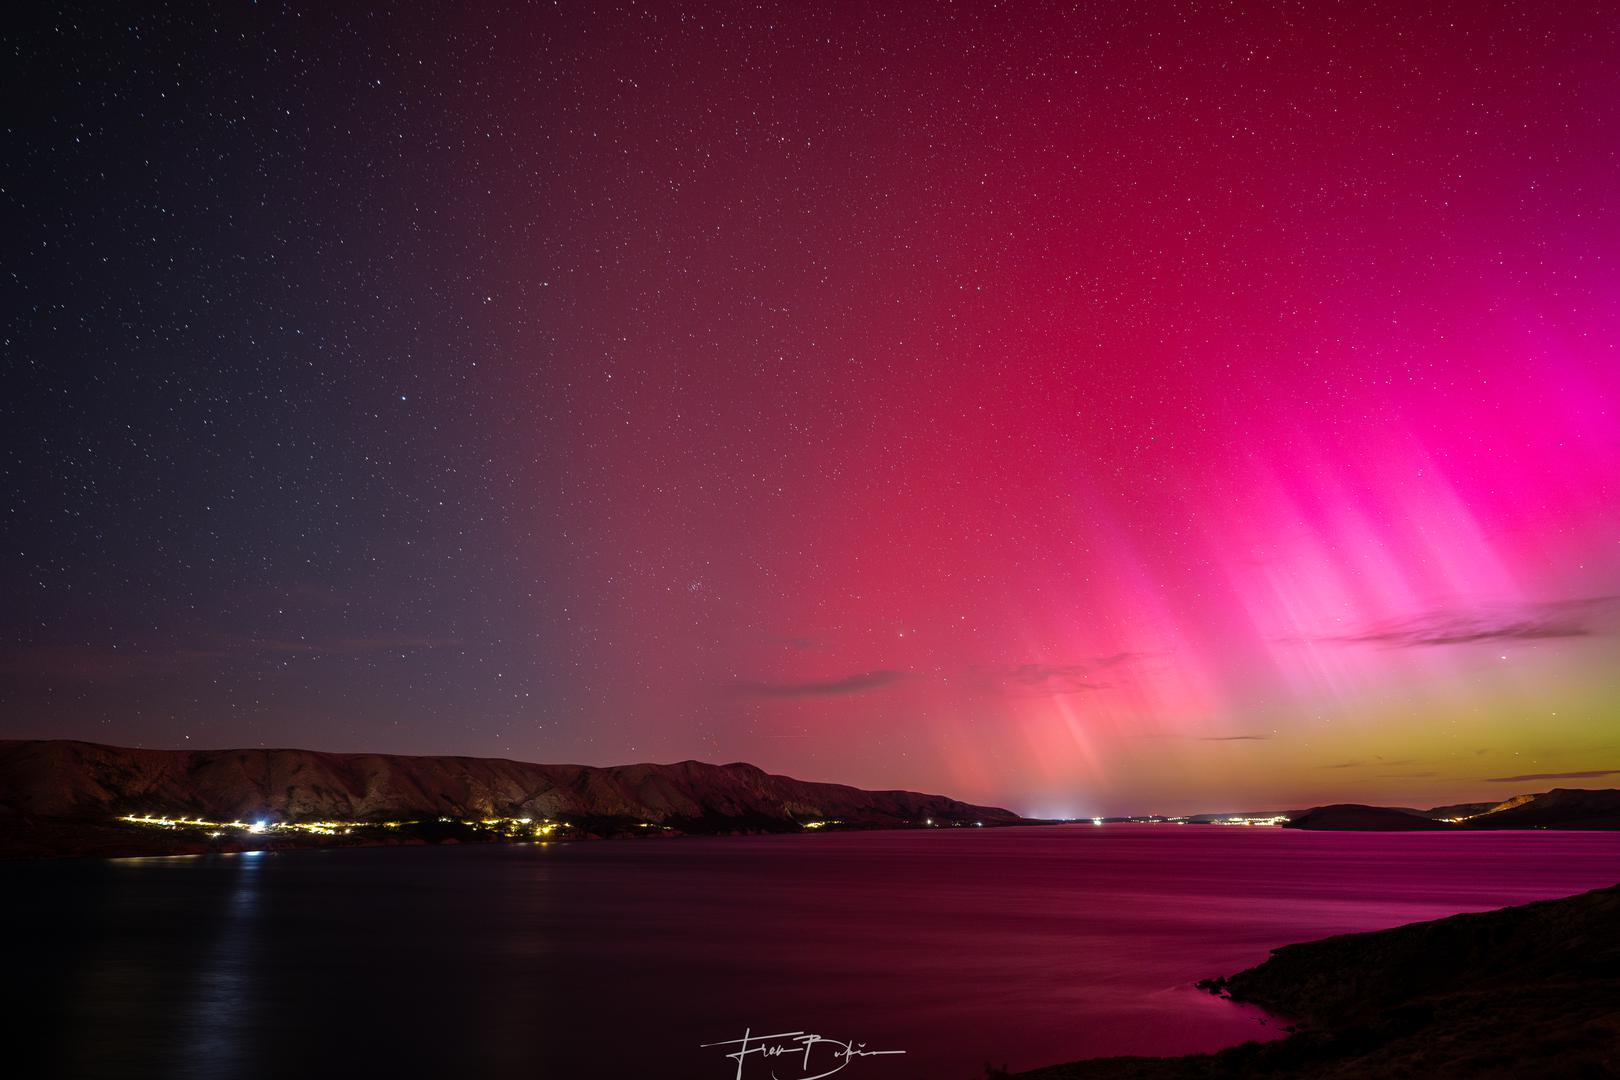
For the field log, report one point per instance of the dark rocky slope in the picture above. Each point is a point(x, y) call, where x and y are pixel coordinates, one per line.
point(1523, 991)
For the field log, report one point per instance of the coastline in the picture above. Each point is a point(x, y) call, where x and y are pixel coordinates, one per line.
point(34, 839)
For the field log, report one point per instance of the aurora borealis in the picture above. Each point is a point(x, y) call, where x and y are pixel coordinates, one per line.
point(1082, 408)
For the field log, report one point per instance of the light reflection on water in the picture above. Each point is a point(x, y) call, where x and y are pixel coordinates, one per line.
point(1023, 946)
point(222, 988)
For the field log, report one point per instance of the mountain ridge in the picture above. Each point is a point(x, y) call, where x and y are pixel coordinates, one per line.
point(61, 780)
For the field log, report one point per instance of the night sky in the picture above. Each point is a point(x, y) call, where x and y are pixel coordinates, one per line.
point(1085, 408)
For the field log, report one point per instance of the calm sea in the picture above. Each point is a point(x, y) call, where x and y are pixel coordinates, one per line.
point(959, 947)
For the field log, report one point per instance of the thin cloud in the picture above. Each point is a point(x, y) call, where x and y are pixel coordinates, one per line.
point(1586, 775)
point(1233, 738)
point(113, 663)
point(348, 646)
point(96, 663)
point(1075, 678)
point(1524, 622)
point(853, 684)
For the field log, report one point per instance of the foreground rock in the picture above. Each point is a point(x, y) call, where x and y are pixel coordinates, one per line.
point(1523, 991)
point(61, 797)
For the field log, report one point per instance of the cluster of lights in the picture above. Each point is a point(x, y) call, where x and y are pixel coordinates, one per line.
point(511, 827)
point(1466, 817)
point(508, 826)
point(166, 822)
point(262, 825)
point(515, 826)
point(1277, 819)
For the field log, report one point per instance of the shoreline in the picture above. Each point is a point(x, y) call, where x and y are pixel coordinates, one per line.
point(44, 839)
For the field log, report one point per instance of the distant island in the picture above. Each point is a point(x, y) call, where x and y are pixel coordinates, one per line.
point(64, 797)
point(1532, 990)
point(1560, 808)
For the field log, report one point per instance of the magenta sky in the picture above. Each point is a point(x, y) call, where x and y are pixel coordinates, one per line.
point(1152, 407)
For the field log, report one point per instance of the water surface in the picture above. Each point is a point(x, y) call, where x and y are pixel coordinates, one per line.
point(1014, 946)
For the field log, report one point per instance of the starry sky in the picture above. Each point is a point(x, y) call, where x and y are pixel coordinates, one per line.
point(1086, 408)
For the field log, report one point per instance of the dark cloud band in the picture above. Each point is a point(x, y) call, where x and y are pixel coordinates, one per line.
point(853, 684)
